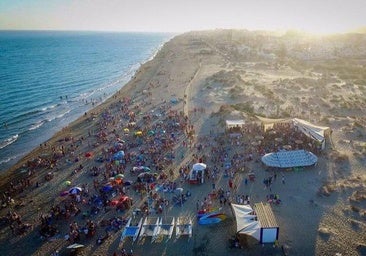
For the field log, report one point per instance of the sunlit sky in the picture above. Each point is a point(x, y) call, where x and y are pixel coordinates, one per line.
point(315, 16)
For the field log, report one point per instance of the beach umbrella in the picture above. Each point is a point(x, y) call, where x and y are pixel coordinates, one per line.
point(147, 176)
point(151, 133)
point(143, 175)
point(138, 133)
point(199, 166)
point(146, 169)
point(75, 190)
point(107, 187)
point(180, 190)
point(288, 147)
point(119, 176)
point(126, 130)
point(127, 183)
point(89, 154)
point(119, 155)
point(67, 183)
point(123, 198)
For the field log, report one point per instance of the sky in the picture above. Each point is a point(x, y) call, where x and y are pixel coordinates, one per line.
point(314, 16)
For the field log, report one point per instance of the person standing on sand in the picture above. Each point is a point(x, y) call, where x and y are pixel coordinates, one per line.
point(283, 179)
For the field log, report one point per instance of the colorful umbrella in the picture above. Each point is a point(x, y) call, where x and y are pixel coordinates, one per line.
point(119, 176)
point(107, 187)
point(75, 190)
point(89, 154)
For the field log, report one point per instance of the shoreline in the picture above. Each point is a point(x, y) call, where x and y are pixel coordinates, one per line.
point(54, 116)
point(179, 101)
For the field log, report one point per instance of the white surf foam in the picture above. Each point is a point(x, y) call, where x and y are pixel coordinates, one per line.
point(9, 141)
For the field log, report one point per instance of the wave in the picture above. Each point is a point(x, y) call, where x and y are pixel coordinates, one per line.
point(36, 125)
point(8, 141)
point(50, 107)
point(58, 116)
point(24, 116)
point(6, 160)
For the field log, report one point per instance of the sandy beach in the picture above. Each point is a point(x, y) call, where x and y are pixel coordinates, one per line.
point(172, 115)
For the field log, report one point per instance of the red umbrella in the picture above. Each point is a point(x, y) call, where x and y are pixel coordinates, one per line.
point(89, 154)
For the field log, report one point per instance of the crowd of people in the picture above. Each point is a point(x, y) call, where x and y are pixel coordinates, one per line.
point(156, 139)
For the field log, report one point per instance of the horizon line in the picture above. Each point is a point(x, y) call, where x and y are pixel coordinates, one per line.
point(353, 31)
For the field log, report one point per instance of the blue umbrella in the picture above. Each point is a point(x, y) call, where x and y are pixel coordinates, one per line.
point(127, 183)
point(119, 155)
point(75, 190)
point(108, 187)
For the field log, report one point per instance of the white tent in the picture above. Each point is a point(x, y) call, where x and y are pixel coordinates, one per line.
point(246, 220)
point(199, 166)
point(259, 223)
point(197, 173)
point(234, 123)
point(289, 159)
point(267, 123)
point(316, 132)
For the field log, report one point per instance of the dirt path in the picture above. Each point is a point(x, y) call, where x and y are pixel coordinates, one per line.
point(187, 93)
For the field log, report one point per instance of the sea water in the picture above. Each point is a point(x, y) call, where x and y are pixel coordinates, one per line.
point(48, 79)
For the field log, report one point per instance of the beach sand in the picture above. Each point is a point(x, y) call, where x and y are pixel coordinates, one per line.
point(196, 82)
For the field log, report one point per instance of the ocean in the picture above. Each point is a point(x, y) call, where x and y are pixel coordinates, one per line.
point(50, 78)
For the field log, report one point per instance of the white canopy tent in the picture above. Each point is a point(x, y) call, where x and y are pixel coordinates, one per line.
point(258, 223)
point(267, 123)
point(197, 173)
point(315, 132)
point(318, 133)
point(235, 123)
point(246, 220)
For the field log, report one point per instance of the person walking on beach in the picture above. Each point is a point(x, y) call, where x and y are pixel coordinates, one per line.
point(283, 179)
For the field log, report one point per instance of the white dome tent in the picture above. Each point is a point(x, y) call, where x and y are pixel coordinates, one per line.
point(289, 159)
